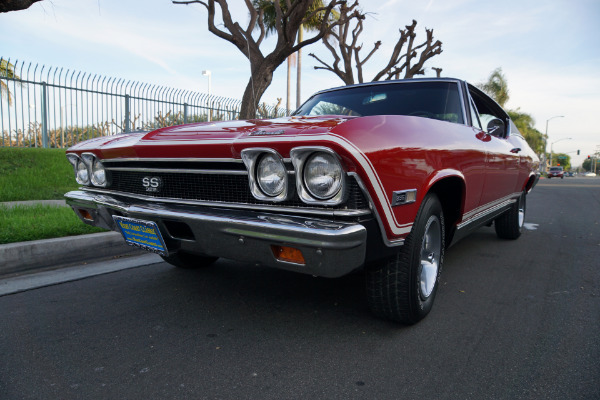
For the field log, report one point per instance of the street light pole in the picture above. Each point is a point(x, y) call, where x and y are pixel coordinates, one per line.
point(208, 73)
point(543, 165)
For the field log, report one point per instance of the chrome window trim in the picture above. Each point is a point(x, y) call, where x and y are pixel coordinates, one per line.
point(461, 94)
point(265, 207)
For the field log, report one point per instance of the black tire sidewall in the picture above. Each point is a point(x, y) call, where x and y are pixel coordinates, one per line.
point(431, 207)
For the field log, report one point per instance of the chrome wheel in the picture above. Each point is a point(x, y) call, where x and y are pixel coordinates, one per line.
point(431, 249)
point(522, 209)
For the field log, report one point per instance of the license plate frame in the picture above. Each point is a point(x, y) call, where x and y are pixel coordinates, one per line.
point(141, 233)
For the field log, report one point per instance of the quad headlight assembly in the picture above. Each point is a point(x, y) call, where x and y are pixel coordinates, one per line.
point(89, 170)
point(318, 175)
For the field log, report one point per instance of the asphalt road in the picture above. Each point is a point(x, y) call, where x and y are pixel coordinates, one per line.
point(513, 320)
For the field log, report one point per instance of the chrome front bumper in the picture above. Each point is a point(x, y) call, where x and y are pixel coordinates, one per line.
point(330, 249)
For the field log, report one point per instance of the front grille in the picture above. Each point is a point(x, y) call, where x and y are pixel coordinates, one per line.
point(224, 188)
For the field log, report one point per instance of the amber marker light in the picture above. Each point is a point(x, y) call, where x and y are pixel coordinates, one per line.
point(288, 254)
point(85, 214)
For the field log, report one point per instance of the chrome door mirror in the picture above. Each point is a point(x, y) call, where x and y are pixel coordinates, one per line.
point(496, 127)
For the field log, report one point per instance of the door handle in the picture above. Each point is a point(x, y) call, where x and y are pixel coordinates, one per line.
point(516, 150)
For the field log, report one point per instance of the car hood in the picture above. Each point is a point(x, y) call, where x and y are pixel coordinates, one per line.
point(218, 130)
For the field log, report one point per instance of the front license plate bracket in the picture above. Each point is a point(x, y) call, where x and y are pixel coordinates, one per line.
point(142, 234)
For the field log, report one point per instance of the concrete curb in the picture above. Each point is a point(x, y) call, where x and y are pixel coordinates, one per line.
point(23, 256)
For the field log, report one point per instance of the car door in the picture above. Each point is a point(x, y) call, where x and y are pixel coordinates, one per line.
point(502, 156)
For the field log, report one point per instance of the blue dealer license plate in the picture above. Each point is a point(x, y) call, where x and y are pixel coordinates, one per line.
point(144, 234)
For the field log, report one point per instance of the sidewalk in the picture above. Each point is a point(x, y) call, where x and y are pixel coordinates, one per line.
point(24, 256)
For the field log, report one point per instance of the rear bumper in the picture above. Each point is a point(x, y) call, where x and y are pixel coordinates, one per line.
point(330, 249)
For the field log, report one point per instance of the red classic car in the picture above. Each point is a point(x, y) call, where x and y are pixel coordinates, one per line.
point(556, 172)
point(381, 176)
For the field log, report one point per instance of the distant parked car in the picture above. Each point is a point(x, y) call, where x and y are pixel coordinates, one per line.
point(556, 172)
point(590, 174)
point(380, 176)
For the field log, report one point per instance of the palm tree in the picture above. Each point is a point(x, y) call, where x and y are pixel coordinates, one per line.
point(496, 87)
point(312, 24)
point(7, 70)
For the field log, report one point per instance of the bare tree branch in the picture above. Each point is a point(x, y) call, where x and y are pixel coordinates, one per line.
point(15, 5)
point(290, 15)
point(406, 57)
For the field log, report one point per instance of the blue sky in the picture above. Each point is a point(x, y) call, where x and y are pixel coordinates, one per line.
point(549, 51)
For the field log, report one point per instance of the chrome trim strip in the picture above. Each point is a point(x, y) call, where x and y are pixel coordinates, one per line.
point(487, 206)
point(278, 209)
point(180, 171)
point(482, 214)
point(223, 160)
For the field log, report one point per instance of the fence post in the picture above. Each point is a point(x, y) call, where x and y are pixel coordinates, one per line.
point(185, 113)
point(127, 119)
point(44, 115)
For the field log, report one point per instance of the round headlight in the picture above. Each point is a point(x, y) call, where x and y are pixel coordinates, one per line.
point(271, 175)
point(82, 175)
point(98, 173)
point(322, 175)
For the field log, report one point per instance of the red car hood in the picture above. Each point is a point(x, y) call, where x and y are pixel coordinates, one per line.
point(205, 139)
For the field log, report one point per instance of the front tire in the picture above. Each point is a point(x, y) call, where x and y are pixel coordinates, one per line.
point(510, 224)
point(403, 288)
point(189, 261)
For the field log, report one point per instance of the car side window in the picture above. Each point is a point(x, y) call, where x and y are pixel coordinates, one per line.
point(491, 117)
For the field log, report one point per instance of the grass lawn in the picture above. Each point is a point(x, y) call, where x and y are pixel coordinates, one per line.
point(25, 223)
point(34, 174)
point(37, 174)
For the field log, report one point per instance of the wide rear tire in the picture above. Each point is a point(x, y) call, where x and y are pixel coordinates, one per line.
point(510, 224)
point(403, 288)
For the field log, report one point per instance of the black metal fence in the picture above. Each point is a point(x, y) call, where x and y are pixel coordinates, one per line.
point(56, 107)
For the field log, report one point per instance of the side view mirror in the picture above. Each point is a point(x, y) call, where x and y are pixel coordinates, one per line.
point(496, 127)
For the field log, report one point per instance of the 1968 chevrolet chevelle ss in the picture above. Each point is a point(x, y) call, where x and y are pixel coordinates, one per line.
point(381, 176)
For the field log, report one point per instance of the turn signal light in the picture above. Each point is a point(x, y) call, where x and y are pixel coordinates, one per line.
point(85, 214)
point(288, 254)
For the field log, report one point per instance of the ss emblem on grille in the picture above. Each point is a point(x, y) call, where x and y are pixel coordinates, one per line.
point(152, 183)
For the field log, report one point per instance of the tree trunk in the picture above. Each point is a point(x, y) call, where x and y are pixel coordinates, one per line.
point(256, 87)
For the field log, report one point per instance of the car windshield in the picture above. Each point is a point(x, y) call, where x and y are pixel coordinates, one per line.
point(436, 100)
point(555, 168)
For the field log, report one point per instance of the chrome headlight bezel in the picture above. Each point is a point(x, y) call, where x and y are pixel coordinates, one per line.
point(89, 170)
point(270, 171)
point(80, 168)
point(99, 175)
point(252, 159)
point(303, 155)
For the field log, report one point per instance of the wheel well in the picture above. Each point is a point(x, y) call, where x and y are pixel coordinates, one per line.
point(450, 191)
point(530, 183)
